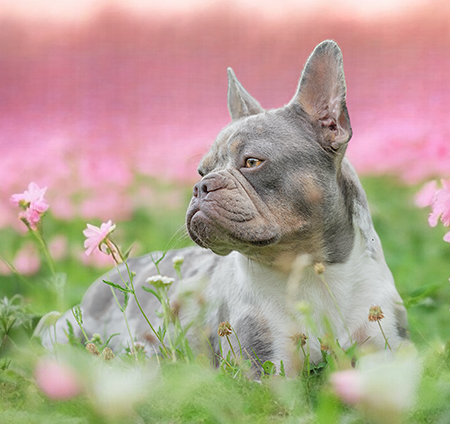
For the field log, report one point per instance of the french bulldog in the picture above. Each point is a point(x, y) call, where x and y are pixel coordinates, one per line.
point(286, 244)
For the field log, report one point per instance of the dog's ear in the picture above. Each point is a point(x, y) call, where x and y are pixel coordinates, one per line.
point(240, 103)
point(321, 94)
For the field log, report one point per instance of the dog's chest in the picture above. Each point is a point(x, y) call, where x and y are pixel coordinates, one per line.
point(272, 312)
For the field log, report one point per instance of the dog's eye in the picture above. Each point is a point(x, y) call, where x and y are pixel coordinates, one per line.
point(253, 163)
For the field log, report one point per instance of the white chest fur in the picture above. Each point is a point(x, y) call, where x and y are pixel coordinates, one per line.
point(304, 302)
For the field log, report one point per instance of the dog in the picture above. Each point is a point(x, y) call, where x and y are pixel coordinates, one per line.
point(286, 243)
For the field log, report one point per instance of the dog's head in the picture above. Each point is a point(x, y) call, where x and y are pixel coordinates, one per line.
point(272, 183)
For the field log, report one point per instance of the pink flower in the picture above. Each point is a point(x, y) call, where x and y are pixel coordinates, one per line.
point(347, 385)
point(27, 261)
point(96, 236)
point(33, 197)
point(439, 200)
point(31, 216)
point(441, 205)
point(380, 383)
point(33, 204)
point(56, 380)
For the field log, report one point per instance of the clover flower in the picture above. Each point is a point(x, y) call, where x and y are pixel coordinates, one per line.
point(96, 236)
point(108, 354)
point(375, 313)
point(319, 268)
point(224, 329)
point(299, 339)
point(32, 203)
point(92, 349)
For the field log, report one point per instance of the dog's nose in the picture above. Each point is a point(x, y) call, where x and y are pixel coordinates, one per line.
point(209, 183)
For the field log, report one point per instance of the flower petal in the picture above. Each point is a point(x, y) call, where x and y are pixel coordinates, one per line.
point(447, 237)
point(426, 195)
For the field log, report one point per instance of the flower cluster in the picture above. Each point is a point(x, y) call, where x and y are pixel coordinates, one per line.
point(32, 203)
point(159, 281)
point(439, 200)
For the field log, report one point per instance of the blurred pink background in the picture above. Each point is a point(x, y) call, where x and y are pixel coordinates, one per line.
point(93, 93)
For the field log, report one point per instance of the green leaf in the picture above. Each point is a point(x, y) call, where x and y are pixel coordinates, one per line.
point(282, 371)
point(72, 339)
point(147, 289)
point(78, 315)
point(126, 298)
point(156, 263)
point(116, 286)
point(109, 339)
point(269, 368)
point(126, 255)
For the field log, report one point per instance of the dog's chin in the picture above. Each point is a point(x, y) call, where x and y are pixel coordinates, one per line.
point(224, 237)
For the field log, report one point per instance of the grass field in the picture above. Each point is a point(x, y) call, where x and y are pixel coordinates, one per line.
point(126, 391)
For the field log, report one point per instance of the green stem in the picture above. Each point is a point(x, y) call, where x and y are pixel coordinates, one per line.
point(231, 347)
point(130, 276)
point(126, 322)
point(308, 363)
point(145, 316)
point(239, 342)
point(124, 311)
point(166, 312)
point(384, 335)
point(79, 325)
point(303, 350)
point(14, 270)
point(59, 293)
point(45, 251)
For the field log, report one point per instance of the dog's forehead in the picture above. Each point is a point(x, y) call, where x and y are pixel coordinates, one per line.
point(263, 134)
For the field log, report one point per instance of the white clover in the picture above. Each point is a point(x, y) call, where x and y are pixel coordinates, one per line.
point(159, 281)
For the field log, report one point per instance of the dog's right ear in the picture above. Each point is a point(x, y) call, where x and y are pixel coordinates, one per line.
point(240, 102)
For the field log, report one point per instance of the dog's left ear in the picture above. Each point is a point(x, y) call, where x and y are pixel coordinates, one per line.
point(321, 94)
point(240, 102)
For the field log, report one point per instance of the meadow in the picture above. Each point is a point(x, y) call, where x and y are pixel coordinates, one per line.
point(83, 387)
point(112, 113)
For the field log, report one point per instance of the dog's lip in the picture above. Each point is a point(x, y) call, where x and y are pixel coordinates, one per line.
point(211, 221)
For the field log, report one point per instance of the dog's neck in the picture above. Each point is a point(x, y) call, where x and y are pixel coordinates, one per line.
point(366, 247)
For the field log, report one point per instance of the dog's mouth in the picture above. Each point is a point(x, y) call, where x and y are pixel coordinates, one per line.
point(223, 216)
point(209, 233)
